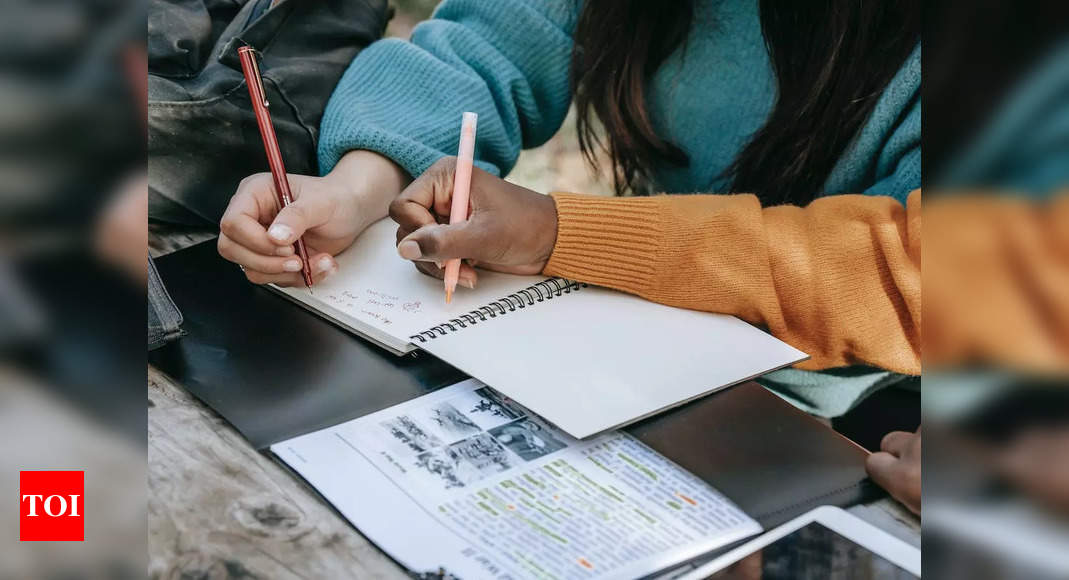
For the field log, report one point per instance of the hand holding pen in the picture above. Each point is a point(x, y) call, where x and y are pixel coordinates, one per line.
point(251, 69)
point(509, 228)
point(327, 213)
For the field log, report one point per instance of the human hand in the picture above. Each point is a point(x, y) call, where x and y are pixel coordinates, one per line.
point(509, 229)
point(897, 467)
point(330, 212)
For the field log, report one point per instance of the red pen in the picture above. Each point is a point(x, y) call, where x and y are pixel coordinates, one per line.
point(251, 68)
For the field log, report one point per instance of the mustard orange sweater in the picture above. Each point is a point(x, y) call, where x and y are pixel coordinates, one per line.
point(839, 279)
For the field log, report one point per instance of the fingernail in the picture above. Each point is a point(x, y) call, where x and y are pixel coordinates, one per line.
point(292, 266)
point(324, 264)
point(329, 273)
point(284, 251)
point(469, 284)
point(280, 232)
point(409, 250)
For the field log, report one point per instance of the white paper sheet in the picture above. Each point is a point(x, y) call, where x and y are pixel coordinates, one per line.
point(588, 360)
point(376, 287)
point(596, 359)
point(465, 480)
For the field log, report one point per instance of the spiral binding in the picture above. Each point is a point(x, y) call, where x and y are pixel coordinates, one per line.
point(529, 296)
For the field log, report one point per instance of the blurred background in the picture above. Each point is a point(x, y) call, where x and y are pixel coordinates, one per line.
point(72, 268)
point(73, 241)
point(995, 388)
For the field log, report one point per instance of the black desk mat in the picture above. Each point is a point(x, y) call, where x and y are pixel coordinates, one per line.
point(275, 371)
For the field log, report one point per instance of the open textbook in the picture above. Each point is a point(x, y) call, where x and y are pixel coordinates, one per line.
point(467, 481)
point(589, 359)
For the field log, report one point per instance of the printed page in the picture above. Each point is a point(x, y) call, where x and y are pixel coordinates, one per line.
point(466, 480)
point(377, 287)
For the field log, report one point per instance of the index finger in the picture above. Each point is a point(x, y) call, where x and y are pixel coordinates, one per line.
point(426, 198)
point(896, 442)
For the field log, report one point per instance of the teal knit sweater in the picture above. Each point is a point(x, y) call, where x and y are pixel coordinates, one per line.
point(508, 60)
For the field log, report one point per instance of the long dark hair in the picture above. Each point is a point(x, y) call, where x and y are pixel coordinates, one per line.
point(832, 60)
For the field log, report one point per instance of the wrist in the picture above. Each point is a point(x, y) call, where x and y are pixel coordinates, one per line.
point(547, 229)
point(367, 182)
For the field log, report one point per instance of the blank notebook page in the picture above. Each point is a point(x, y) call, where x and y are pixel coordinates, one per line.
point(596, 359)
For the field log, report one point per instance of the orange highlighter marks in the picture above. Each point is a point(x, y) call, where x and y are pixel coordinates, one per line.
point(686, 499)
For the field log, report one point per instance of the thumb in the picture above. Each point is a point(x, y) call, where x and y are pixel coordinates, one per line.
point(440, 242)
point(303, 214)
point(882, 468)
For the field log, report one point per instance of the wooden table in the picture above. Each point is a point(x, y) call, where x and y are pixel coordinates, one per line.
point(217, 508)
point(220, 509)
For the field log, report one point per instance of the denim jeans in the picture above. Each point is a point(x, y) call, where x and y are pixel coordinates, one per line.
point(203, 137)
point(164, 318)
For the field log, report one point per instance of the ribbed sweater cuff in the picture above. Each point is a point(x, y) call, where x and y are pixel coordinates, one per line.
point(606, 241)
point(414, 157)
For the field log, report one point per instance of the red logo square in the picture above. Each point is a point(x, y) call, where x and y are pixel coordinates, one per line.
point(51, 506)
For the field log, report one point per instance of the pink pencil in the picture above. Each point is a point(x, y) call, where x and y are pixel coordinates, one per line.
point(458, 212)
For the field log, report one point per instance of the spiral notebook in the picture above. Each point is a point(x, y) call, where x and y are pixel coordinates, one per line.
point(586, 358)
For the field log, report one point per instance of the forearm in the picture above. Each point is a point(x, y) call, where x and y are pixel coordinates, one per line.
point(838, 279)
point(506, 60)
